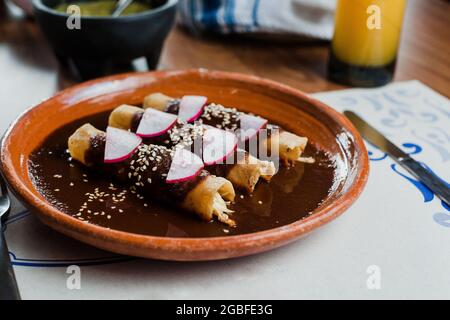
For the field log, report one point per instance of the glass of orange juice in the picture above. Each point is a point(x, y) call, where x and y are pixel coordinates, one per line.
point(365, 42)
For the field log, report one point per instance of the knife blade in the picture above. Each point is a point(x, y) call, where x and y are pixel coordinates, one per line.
point(416, 169)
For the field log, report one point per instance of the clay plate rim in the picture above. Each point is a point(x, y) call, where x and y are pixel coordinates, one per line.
point(186, 248)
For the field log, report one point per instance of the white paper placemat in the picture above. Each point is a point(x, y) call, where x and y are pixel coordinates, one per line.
point(392, 243)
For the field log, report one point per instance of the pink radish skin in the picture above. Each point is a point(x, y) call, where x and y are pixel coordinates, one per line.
point(185, 166)
point(217, 145)
point(155, 123)
point(250, 126)
point(120, 145)
point(191, 107)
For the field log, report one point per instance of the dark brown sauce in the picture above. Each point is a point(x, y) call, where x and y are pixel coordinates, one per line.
point(291, 195)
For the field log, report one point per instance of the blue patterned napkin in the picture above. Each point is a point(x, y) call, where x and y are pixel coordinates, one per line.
point(307, 18)
point(414, 117)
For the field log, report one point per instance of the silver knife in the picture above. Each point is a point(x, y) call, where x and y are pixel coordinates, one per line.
point(372, 135)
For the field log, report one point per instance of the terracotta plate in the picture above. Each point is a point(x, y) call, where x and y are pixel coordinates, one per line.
point(286, 106)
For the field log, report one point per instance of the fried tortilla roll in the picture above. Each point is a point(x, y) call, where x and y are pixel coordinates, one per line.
point(244, 172)
point(289, 145)
point(146, 170)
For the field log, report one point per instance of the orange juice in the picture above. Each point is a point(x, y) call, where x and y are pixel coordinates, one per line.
point(366, 37)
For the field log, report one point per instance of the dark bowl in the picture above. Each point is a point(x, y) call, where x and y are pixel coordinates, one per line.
point(101, 42)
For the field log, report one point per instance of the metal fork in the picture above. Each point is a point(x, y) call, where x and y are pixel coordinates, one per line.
point(8, 288)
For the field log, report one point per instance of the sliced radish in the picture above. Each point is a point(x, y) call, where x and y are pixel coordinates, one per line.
point(185, 166)
point(191, 107)
point(154, 123)
point(250, 126)
point(120, 144)
point(217, 145)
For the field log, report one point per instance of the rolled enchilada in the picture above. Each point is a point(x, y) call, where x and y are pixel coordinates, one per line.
point(146, 170)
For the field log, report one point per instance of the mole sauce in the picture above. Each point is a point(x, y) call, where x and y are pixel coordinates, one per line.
point(293, 194)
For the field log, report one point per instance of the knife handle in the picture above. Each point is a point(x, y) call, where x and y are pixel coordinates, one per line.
point(8, 288)
point(436, 184)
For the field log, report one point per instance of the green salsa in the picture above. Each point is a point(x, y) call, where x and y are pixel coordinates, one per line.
point(103, 8)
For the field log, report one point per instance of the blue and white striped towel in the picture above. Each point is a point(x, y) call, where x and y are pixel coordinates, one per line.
point(307, 18)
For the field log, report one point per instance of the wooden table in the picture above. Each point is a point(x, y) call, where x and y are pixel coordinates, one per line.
point(332, 263)
point(29, 72)
point(423, 55)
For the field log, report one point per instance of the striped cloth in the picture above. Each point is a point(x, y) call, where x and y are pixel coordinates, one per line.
point(307, 18)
